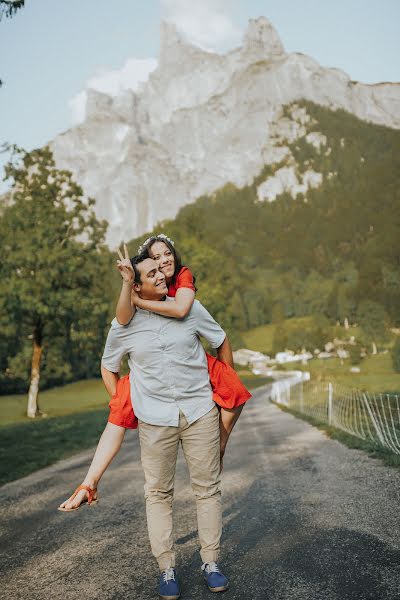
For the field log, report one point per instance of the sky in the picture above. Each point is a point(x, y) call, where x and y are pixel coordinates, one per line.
point(52, 50)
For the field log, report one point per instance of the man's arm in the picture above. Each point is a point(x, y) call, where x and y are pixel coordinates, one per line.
point(228, 417)
point(224, 353)
point(110, 380)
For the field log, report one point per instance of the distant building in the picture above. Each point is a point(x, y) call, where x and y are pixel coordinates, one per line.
point(249, 358)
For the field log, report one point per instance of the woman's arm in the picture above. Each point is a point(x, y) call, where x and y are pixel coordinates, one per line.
point(125, 307)
point(177, 308)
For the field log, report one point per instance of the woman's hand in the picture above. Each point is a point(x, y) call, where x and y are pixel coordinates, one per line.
point(124, 266)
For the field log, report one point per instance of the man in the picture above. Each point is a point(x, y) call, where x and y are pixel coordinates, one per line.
point(173, 402)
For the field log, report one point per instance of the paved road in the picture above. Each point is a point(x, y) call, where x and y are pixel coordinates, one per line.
point(304, 519)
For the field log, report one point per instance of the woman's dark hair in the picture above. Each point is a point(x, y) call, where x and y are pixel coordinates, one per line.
point(170, 246)
point(146, 247)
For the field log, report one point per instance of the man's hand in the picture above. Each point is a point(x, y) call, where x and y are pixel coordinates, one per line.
point(124, 266)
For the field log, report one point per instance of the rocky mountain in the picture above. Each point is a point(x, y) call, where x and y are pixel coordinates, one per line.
point(204, 119)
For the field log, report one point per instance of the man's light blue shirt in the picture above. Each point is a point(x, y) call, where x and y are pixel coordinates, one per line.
point(168, 365)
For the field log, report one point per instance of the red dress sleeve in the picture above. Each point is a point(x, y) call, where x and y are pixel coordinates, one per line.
point(184, 279)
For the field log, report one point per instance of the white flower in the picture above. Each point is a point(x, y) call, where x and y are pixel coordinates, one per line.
point(160, 236)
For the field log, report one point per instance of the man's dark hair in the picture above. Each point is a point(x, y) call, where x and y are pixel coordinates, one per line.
point(137, 260)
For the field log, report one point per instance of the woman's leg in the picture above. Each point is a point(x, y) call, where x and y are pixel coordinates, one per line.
point(108, 446)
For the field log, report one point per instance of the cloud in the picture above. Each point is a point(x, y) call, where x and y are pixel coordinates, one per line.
point(112, 81)
point(205, 23)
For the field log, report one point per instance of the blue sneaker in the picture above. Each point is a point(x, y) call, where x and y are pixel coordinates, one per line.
point(169, 586)
point(215, 580)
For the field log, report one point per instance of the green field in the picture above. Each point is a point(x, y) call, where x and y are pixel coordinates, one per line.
point(76, 416)
point(261, 338)
point(26, 447)
point(376, 371)
point(72, 398)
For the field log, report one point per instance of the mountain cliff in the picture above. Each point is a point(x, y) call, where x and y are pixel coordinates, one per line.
point(202, 120)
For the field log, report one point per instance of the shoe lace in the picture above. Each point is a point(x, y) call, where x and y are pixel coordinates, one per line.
point(211, 567)
point(168, 575)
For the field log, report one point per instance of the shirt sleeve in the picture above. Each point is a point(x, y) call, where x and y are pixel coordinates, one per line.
point(114, 350)
point(207, 327)
point(185, 279)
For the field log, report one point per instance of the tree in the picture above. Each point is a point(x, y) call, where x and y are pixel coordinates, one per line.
point(371, 317)
point(52, 261)
point(396, 356)
point(8, 8)
point(280, 338)
point(354, 351)
point(332, 306)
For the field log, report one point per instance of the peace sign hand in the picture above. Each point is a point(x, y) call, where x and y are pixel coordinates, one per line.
point(124, 266)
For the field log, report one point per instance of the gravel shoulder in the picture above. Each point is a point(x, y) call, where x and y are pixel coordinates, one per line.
point(304, 518)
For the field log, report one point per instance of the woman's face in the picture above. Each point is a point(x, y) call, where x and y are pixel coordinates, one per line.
point(164, 257)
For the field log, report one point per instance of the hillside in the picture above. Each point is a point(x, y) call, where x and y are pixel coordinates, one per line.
point(328, 249)
point(201, 120)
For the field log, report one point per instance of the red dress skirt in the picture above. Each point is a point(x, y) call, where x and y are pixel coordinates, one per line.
point(228, 392)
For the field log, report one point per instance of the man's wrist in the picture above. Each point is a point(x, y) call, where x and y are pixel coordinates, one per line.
point(127, 284)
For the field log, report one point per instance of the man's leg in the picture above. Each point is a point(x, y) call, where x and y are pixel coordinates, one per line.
point(201, 447)
point(159, 449)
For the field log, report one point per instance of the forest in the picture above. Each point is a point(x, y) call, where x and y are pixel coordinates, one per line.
point(330, 254)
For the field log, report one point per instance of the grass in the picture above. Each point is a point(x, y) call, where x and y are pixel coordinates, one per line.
point(376, 371)
point(389, 458)
point(261, 338)
point(72, 398)
point(28, 446)
point(76, 416)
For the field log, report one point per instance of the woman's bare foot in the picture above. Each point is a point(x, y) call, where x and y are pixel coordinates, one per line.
point(78, 498)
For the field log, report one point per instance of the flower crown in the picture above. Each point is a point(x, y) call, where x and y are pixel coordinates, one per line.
point(160, 236)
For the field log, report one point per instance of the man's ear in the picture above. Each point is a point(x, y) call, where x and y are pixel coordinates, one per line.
point(136, 287)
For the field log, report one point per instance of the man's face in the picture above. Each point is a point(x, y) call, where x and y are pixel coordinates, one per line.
point(153, 285)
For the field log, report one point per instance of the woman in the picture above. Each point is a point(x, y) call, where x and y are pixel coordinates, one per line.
point(228, 390)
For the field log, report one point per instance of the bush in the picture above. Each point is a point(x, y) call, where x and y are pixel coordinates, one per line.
point(354, 351)
point(396, 356)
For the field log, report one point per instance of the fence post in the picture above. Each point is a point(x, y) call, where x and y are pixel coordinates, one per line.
point(330, 396)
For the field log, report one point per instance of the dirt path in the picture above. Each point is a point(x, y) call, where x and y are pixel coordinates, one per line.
point(305, 518)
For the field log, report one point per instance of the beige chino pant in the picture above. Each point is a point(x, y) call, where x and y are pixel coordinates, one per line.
point(201, 447)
